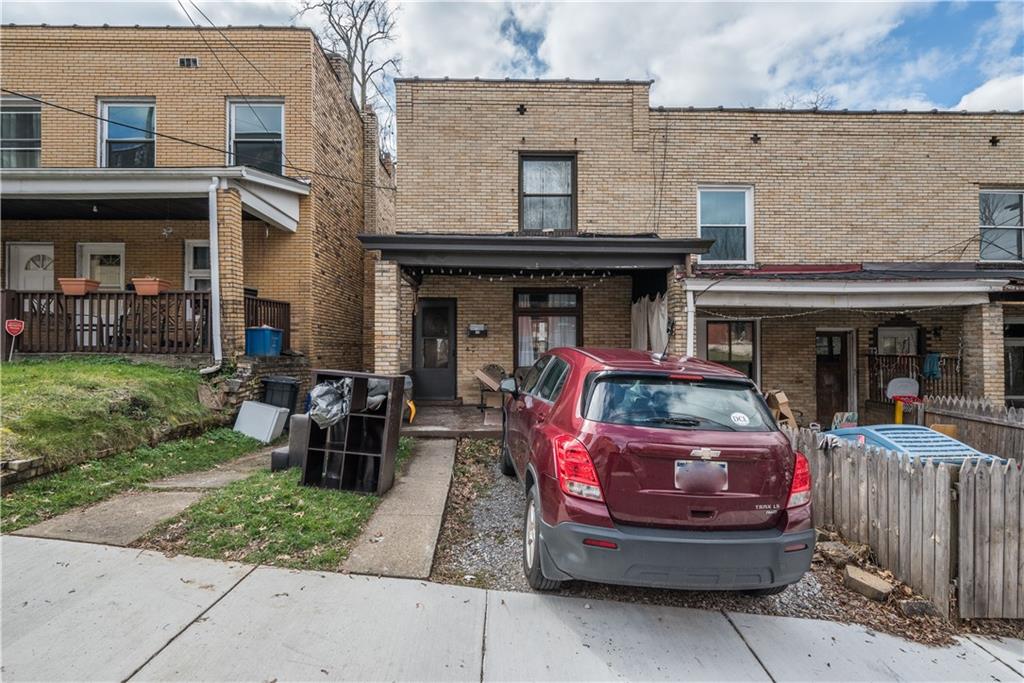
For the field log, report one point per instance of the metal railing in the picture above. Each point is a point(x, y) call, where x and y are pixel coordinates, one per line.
point(882, 368)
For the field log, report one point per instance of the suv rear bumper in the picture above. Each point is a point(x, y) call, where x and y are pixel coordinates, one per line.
point(668, 558)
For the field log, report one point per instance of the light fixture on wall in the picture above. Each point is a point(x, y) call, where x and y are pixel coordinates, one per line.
point(167, 232)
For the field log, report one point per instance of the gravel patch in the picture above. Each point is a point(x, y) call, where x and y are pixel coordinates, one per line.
point(480, 545)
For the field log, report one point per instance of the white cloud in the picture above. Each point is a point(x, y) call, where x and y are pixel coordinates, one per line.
point(1003, 93)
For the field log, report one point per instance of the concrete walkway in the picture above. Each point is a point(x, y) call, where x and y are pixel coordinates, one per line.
point(400, 538)
point(74, 611)
point(128, 516)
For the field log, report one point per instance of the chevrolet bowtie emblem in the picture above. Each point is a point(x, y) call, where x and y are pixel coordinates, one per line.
point(705, 453)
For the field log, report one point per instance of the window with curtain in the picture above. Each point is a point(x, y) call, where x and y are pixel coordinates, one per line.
point(257, 135)
point(128, 135)
point(546, 193)
point(725, 217)
point(20, 135)
point(1001, 218)
point(733, 343)
point(545, 320)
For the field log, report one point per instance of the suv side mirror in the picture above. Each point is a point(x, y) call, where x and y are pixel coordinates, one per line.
point(508, 386)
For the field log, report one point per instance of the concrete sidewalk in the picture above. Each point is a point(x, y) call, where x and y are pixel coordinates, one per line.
point(74, 611)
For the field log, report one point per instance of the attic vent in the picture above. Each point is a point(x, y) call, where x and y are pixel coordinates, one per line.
point(188, 62)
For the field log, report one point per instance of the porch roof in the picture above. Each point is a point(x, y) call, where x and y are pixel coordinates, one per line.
point(269, 197)
point(500, 252)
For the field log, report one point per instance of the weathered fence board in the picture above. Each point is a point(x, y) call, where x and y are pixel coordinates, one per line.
point(989, 428)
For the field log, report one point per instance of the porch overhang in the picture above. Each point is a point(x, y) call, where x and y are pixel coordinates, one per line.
point(838, 293)
point(519, 252)
point(271, 198)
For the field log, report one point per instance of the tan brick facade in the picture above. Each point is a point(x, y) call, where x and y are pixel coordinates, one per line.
point(318, 268)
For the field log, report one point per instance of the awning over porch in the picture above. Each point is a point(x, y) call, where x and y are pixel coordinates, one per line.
point(77, 192)
point(513, 252)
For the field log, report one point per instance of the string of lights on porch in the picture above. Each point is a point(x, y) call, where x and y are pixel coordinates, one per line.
point(592, 278)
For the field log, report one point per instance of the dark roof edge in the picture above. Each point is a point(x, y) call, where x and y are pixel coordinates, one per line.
point(465, 241)
point(541, 81)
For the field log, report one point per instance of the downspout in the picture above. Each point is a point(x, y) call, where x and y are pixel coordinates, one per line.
point(218, 352)
point(691, 326)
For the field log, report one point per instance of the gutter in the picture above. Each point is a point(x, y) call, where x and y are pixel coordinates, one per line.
point(215, 313)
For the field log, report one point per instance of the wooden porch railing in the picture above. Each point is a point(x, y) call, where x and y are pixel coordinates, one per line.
point(269, 312)
point(111, 322)
point(883, 368)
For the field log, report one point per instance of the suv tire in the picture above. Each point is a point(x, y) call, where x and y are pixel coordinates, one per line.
point(533, 546)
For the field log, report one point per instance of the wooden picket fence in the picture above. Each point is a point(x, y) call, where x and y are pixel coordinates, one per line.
point(980, 424)
point(933, 525)
point(991, 556)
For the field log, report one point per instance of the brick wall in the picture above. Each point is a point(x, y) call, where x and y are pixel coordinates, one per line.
point(828, 187)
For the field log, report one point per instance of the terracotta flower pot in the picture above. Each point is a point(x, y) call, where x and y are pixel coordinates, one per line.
point(77, 286)
point(150, 286)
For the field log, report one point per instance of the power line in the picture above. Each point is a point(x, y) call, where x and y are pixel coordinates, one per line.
point(175, 138)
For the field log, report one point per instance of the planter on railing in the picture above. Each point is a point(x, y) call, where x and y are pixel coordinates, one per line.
point(77, 286)
point(150, 286)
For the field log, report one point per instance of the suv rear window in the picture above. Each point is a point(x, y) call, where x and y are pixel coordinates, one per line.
point(661, 401)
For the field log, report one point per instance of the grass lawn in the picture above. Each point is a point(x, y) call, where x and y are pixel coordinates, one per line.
point(269, 518)
point(71, 408)
point(100, 479)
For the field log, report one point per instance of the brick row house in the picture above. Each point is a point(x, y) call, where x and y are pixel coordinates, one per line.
point(232, 164)
point(822, 253)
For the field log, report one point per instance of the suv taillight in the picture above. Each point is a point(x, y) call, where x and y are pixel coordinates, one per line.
point(800, 490)
point(576, 473)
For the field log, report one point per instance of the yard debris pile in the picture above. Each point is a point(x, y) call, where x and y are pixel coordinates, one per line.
point(481, 545)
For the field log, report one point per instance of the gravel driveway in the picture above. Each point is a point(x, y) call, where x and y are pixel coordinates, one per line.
point(481, 546)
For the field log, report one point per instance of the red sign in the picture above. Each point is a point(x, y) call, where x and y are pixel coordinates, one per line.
point(14, 327)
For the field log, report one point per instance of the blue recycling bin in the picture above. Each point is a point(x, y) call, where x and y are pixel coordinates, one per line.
point(263, 341)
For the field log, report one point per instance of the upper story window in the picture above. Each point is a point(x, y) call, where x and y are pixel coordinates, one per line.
point(127, 135)
point(1001, 220)
point(257, 135)
point(726, 215)
point(547, 193)
point(20, 134)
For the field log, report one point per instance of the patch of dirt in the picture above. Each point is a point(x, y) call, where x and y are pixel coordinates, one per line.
point(480, 545)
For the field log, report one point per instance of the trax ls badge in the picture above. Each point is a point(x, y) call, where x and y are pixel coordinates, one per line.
point(705, 453)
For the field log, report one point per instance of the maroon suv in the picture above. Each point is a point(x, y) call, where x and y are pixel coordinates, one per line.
point(654, 471)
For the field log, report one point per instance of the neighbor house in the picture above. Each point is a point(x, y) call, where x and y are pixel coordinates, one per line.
point(232, 164)
point(820, 252)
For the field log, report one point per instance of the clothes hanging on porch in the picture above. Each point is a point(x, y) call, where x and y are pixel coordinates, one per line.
point(649, 323)
point(932, 369)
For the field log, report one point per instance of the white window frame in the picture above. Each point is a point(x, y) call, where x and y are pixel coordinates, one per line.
point(232, 104)
point(191, 272)
point(702, 340)
point(101, 128)
point(897, 331)
point(749, 206)
point(984, 190)
point(12, 102)
point(86, 249)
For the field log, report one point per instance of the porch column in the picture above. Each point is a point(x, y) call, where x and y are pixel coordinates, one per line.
point(676, 293)
point(983, 352)
point(232, 299)
point(387, 352)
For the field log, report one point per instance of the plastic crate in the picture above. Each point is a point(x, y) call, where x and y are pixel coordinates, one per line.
point(281, 391)
point(263, 341)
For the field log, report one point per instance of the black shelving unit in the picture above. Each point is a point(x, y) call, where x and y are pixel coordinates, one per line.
point(358, 453)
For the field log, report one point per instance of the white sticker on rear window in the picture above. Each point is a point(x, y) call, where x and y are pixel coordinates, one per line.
point(740, 419)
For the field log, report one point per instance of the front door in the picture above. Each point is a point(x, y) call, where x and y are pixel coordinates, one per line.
point(833, 375)
point(434, 350)
point(30, 267)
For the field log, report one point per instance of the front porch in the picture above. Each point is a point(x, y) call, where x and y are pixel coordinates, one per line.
point(213, 236)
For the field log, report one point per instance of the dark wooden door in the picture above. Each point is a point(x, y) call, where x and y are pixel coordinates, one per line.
point(434, 350)
point(833, 378)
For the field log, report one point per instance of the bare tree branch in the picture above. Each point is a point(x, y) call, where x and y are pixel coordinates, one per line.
point(815, 99)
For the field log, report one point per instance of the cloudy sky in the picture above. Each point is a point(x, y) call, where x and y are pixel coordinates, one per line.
point(866, 55)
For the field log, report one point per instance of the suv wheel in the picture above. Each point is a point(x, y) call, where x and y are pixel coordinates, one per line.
point(533, 547)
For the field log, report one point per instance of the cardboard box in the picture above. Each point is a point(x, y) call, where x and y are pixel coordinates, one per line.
point(778, 403)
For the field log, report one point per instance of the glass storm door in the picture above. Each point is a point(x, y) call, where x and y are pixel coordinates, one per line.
point(434, 350)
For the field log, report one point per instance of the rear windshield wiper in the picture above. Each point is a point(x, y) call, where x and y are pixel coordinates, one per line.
point(687, 421)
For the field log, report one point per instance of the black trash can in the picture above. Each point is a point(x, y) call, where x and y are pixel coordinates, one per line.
point(281, 391)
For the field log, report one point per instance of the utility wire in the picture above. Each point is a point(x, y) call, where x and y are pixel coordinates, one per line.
point(186, 141)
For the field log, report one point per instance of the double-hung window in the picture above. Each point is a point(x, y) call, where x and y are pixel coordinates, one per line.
point(547, 193)
point(545, 319)
point(1001, 221)
point(197, 265)
point(726, 215)
point(257, 135)
point(20, 134)
point(127, 131)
